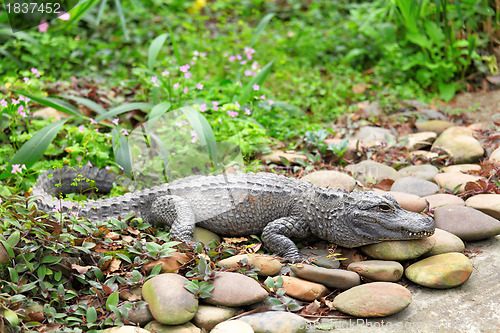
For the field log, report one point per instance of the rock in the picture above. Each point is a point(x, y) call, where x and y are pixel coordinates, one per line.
point(442, 271)
point(424, 171)
point(139, 314)
point(332, 278)
point(487, 203)
point(495, 156)
point(320, 257)
point(168, 265)
point(399, 250)
point(420, 140)
point(378, 270)
point(233, 326)
point(443, 199)
point(168, 300)
point(205, 236)
point(268, 303)
point(233, 289)
point(459, 144)
point(416, 186)
point(125, 329)
point(450, 181)
point(445, 242)
point(376, 299)
point(461, 168)
point(331, 179)
point(275, 321)
point(353, 147)
point(436, 126)
point(422, 154)
point(267, 265)
point(276, 156)
point(156, 327)
point(407, 201)
point(372, 136)
point(467, 223)
point(302, 289)
point(372, 172)
point(208, 316)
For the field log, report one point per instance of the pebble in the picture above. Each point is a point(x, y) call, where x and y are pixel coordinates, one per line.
point(276, 156)
point(436, 126)
point(378, 270)
point(423, 154)
point(442, 271)
point(399, 249)
point(414, 185)
point(140, 315)
point(169, 302)
point(467, 223)
point(301, 289)
point(376, 299)
point(407, 201)
point(320, 257)
point(372, 172)
point(168, 265)
point(156, 327)
point(443, 199)
point(373, 136)
point(208, 316)
point(420, 140)
point(275, 322)
point(331, 179)
point(461, 168)
point(205, 236)
point(487, 203)
point(233, 326)
point(425, 171)
point(267, 265)
point(451, 180)
point(459, 144)
point(233, 289)
point(332, 278)
point(268, 302)
point(495, 156)
point(125, 329)
point(445, 242)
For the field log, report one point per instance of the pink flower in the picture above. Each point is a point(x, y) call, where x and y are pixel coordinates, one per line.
point(220, 121)
point(255, 65)
point(248, 72)
point(115, 121)
point(237, 104)
point(96, 130)
point(232, 114)
point(154, 79)
point(225, 55)
point(238, 56)
point(3, 102)
point(17, 168)
point(184, 68)
point(178, 124)
point(65, 17)
point(185, 90)
point(203, 54)
point(192, 63)
point(271, 102)
point(231, 58)
point(256, 87)
point(107, 168)
point(263, 97)
point(79, 159)
point(188, 75)
point(21, 112)
point(43, 26)
point(247, 111)
point(165, 73)
point(15, 101)
point(124, 131)
point(89, 164)
point(24, 99)
point(26, 79)
point(195, 52)
point(81, 128)
point(199, 86)
point(35, 71)
point(215, 104)
point(176, 85)
point(194, 137)
point(92, 121)
point(243, 62)
point(203, 108)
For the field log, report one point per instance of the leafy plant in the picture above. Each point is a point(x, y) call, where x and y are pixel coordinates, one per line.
point(278, 304)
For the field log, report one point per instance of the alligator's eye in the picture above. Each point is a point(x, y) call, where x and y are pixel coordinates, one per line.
point(384, 207)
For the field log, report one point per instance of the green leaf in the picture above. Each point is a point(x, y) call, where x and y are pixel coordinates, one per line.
point(154, 50)
point(112, 300)
point(11, 317)
point(50, 260)
point(91, 314)
point(156, 270)
point(260, 27)
point(55, 103)
point(14, 238)
point(121, 150)
point(123, 22)
point(8, 248)
point(446, 91)
point(247, 91)
point(14, 276)
point(79, 11)
point(122, 109)
point(275, 301)
point(174, 45)
point(123, 257)
point(41, 272)
point(158, 110)
point(85, 102)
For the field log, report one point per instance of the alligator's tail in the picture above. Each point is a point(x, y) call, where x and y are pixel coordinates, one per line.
point(52, 183)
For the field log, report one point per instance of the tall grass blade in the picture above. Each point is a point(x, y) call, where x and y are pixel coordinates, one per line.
point(246, 93)
point(122, 150)
point(86, 102)
point(55, 103)
point(260, 27)
point(79, 11)
point(154, 49)
point(123, 22)
point(102, 6)
point(174, 45)
point(122, 109)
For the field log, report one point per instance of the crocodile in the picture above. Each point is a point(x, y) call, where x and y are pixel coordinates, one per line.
point(277, 207)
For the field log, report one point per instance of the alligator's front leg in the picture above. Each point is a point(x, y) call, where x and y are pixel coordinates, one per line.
point(276, 236)
point(175, 212)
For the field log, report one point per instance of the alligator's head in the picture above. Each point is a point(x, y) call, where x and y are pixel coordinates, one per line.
point(361, 218)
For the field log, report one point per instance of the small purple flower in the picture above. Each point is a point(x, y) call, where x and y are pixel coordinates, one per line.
point(243, 62)
point(263, 97)
point(125, 132)
point(220, 121)
point(247, 111)
point(17, 168)
point(271, 102)
point(188, 75)
point(194, 137)
point(239, 57)
point(256, 87)
point(184, 68)
point(81, 128)
point(154, 79)
point(20, 111)
point(255, 65)
point(3, 102)
point(237, 104)
point(216, 105)
point(107, 168)
point(89, 164)
point(195, 52)
point(225, 55)
point(192, 63)
point(231, 58)
point(35, 70)
point(24, 99)
point(79, 159)
point(185, 90)
point(92, 121)
point(176, 85)
point(203, 108)
point(203, 54)
point(178, 124)
point(248, 72)
point(199, 86)
point(115, 121)
point(15, 101)
point(26, 79)
point(232, 114)
point(165, 73)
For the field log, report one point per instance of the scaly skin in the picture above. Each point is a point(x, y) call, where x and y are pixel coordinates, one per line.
point(277, 207)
